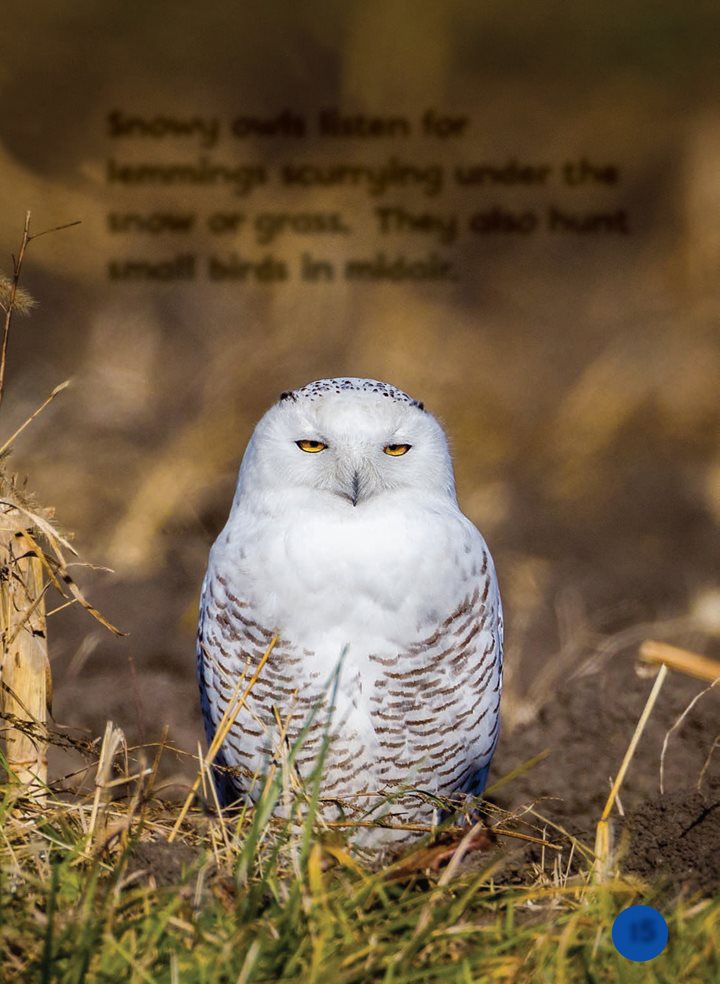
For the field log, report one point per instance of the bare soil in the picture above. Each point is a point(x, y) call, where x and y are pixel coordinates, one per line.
point(672, 839)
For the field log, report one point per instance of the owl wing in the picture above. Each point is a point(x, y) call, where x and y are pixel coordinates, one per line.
point(476, 633)
point(437, 700)
point(230, 645)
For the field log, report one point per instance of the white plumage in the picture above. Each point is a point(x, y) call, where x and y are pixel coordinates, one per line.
point(345, 536)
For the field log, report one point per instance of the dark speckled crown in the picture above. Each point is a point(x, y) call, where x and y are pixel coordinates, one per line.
point(322, 387)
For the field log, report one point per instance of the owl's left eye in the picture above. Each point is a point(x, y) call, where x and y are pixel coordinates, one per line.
point(312, 447)
point(397, 449)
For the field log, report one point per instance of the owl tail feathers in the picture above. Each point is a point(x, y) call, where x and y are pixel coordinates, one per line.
point(226, 786)
point(478, 781)
point(227, 792)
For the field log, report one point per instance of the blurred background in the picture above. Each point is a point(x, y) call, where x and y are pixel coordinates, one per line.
point(577, 376)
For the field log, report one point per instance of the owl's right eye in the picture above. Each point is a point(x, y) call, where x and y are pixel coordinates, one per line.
point(312, 447)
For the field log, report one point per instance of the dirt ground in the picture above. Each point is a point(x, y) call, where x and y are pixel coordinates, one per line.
point(671, 838)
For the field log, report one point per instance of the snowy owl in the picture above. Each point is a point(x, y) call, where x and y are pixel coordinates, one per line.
point(346, 544)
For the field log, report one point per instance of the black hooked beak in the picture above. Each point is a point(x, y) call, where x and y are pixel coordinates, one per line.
point(355, 488)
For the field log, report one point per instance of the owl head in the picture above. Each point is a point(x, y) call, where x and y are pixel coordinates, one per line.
point(349, 441)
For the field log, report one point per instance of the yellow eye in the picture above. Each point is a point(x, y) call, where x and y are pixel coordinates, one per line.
point(312, 447)
point(397, 449)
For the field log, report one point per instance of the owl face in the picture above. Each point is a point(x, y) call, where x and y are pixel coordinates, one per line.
point(353, 439)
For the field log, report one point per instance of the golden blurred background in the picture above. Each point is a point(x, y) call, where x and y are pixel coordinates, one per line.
point(577, 376)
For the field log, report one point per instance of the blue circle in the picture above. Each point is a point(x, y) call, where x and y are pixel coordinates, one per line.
point(640, 933)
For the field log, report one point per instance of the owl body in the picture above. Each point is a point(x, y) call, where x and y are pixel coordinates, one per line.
point(367, 569)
